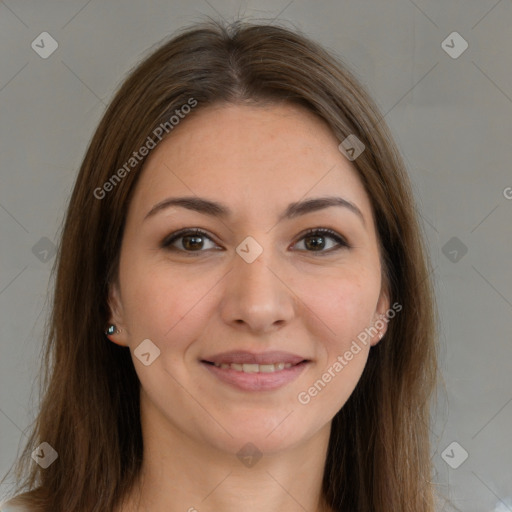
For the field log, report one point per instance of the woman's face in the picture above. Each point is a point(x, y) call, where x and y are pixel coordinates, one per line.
point(253, 283)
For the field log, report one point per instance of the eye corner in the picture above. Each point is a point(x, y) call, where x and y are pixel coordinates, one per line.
point(168, 240)
point(341, 241)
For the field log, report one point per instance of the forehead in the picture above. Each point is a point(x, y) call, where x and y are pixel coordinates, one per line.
point(256, 158)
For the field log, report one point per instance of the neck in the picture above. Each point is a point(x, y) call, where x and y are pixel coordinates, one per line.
point(179, 473)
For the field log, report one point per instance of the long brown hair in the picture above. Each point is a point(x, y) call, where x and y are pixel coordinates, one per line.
point(379, 454)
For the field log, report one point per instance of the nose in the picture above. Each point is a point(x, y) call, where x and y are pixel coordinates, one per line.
point(256, 297)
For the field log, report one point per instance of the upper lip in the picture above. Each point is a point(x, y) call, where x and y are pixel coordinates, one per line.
point(245, 357)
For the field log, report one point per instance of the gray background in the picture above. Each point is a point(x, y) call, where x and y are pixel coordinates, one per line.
point(452, 119)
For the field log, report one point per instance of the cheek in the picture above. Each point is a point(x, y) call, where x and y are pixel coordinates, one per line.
point(345, 302)
point(164, 307)
point(345, 306)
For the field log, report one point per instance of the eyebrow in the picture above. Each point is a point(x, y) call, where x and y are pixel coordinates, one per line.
point(293, 210)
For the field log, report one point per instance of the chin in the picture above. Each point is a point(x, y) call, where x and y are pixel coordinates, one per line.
point(270, 435)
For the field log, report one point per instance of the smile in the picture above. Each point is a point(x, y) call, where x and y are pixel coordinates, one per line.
point(254, 368)
point(255, 377)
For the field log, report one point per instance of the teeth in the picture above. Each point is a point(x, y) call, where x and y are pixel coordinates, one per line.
point(254, 368)
point(251, 368)
point(267, 368)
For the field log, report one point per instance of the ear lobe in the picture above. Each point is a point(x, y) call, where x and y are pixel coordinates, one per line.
point(383, 304)
point(381, 318)
point(116, 316)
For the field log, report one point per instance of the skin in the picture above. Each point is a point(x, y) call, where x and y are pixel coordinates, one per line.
point(255, 160)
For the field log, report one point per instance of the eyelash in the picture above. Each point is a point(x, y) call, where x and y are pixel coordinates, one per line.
point(342, 243)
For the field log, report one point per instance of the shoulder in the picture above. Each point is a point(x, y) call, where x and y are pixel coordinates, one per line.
point(12, 506)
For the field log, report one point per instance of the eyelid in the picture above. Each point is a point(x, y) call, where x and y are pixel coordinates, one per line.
point(176, 235)
point(340, 239)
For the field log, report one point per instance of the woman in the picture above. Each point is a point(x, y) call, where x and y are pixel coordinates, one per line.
point(243, 317)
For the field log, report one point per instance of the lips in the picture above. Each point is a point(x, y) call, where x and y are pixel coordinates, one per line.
point(249, 371)
point(256, 381)
point(245, 357)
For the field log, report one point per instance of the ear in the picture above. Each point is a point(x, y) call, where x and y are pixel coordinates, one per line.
point(380, 319)
point(116, 316)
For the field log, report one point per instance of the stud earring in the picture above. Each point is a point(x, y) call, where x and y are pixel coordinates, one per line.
point(112, 329)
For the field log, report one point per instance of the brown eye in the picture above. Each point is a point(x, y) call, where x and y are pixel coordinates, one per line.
point(189, 240)
point(320, 241)
point(316, 240)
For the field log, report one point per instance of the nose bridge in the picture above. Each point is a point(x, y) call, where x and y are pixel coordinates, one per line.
point(256, 280)
point(254, 295)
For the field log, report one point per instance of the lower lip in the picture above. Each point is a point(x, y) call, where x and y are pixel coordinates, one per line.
point(257, 381)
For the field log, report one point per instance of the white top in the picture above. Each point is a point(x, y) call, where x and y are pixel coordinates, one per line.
point(6, 507)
